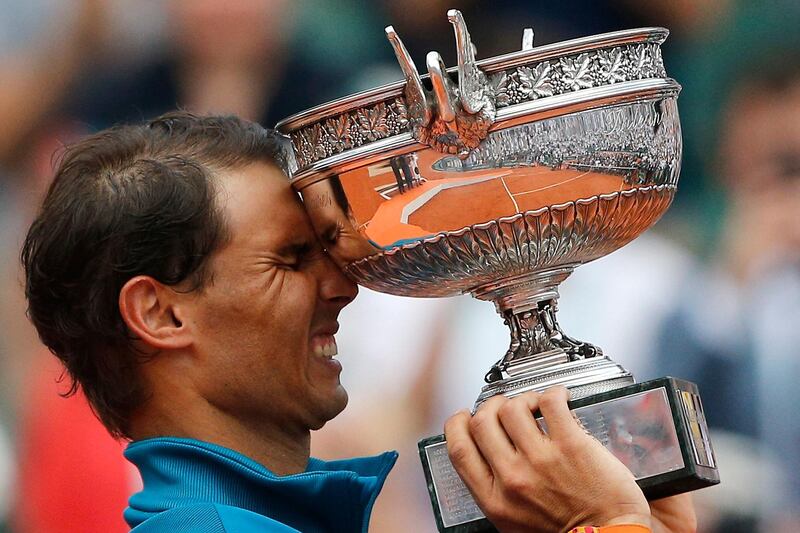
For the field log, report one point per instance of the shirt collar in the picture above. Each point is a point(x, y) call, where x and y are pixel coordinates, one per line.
point(177, 472)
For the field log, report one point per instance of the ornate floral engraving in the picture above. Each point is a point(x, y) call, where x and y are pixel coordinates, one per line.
point(643, 64)
point(611, 66)
point(509, 87)
point(317, 139)
point(573, 73)
point(339, 130)
point(372, 122)
point(658, 61)
point(397, 116)
point(349, 130)
point(498, 85)
point(577, 72)
point(535, 81)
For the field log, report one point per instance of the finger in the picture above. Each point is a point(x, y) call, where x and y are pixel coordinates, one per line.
point(561, 424)
point(492, 440)
point(516, 417)
point(465, 455)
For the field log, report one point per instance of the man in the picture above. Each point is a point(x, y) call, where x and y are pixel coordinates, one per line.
point(174, 272)
point(755, 266)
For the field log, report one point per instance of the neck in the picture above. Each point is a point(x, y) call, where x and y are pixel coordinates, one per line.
point(281, 451)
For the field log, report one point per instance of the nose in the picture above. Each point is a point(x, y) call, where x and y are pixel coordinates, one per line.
point(334, 286)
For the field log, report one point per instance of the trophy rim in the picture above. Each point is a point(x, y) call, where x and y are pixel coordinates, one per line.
point(526, 112)
point(654, 34)
point(523, 86)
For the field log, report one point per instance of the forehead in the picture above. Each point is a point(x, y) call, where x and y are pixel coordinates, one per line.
point(257, 201)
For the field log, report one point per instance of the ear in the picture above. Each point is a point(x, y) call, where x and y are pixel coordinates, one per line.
point(153, 313)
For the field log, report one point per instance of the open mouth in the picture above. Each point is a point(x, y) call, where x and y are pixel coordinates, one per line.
point(324, 346)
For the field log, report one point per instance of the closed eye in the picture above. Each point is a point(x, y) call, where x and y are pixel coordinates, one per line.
point(295, 256)
point(331, 234)
point(290, 256)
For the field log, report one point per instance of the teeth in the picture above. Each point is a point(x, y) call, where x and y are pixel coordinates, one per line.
point(326, 349)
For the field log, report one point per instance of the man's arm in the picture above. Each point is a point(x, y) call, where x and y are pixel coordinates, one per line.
point(526, 480)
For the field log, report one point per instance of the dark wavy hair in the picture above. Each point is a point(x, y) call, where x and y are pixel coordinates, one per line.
point(127, 201)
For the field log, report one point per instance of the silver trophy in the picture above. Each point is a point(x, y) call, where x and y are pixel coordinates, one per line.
point(497, 178)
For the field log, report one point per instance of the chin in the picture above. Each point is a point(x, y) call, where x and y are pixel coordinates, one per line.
point(335, 405)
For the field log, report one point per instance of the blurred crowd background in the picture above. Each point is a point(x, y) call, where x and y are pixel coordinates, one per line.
point(711, 294)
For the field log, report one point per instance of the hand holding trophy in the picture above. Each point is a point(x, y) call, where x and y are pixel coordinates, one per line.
point(498, 182)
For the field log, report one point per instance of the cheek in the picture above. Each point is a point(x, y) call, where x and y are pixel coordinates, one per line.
point(296, 291)
point(267, 317)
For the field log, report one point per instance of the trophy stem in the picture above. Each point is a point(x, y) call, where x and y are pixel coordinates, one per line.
point(540, 353)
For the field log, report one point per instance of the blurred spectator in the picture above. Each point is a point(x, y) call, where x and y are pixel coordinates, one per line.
point(735, 328)
point(7, 474)
point(260, 59)
point(109, 61)
point(72, 475)
point(37, 72)
point(52, 45)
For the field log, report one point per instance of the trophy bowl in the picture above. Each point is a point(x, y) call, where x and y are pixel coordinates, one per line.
point(497, 178)
point(499, 185)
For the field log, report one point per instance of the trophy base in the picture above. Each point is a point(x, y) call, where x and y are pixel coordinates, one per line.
point(583, 377)
point(656, 428)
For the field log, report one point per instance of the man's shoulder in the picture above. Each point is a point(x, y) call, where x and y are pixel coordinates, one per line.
point(210, 518)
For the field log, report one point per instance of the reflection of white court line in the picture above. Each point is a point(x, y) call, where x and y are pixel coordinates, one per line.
point(377, 170)
point(516, 207)
point(559, 184)
point(423, 198)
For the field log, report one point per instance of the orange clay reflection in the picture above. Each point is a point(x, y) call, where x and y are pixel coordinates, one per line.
point(412, 197)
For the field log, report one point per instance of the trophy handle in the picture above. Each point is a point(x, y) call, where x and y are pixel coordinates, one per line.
point(442, 87)
point(418, 106)
point(471, 80)
point(527, 39)
point(452, 120)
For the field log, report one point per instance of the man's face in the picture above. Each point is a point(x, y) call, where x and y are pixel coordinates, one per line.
point(264, 322)
point(760, 156)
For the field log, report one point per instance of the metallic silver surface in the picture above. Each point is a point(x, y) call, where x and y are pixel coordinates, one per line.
point(451, 118)
point(489, 66)
point(527, 39)
point(581, 155)
point(471, 79)
point(344, 124)
point(416, 98)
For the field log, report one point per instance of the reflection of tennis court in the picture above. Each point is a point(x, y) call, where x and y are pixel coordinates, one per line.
point(446, 200)
point(519, 190)
point(392, 220)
